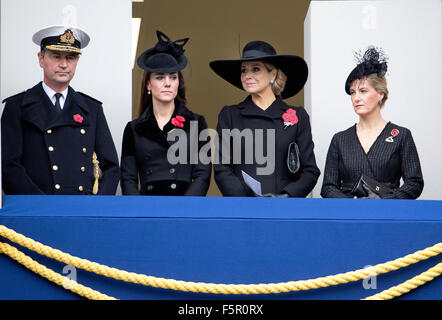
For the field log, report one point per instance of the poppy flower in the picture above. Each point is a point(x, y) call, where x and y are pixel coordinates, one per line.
point(178, 121)
point(394, 132)
point(78, 118)
point(290, 118)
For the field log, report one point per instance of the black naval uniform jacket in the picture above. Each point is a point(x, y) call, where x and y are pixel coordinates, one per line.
point(391, 157)
point(48, 152)
point(247, 115)
point(144, 156)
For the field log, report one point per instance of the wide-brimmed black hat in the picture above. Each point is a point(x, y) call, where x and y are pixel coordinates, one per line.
point(293, 66)
point(372, 61)
point(165, 57)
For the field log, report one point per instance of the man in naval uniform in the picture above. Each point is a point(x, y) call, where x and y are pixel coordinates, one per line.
point(50, 133)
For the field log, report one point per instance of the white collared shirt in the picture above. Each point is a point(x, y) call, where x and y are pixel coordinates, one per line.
point(51, 94)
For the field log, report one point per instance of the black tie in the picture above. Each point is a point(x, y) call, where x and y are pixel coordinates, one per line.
point(57, 102)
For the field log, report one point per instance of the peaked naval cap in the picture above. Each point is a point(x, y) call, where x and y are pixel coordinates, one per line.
point(61, 38)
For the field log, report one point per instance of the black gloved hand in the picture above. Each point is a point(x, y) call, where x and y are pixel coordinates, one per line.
point(275, 195)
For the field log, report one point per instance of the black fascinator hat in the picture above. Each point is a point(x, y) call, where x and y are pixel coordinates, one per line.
point(294, 67)
point(373, 60)
point(165, 57)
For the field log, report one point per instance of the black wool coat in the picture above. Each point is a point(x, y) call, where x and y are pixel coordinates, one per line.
point(145, 169)
point(391, 157)
point(247, 115)
point(50, 152)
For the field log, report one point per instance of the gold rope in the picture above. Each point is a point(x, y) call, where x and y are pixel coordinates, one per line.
point(408, 285)
point(97, 172)
point(188, 286)
point(51, 275)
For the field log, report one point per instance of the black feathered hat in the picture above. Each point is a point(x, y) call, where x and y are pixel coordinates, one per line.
point(294, 67)
point(165, 57)
point(373, 60)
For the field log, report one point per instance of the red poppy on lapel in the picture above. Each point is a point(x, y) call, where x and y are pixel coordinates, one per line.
point(394, 132)
point(78, 118)
point(178, 121)
point(290, 118)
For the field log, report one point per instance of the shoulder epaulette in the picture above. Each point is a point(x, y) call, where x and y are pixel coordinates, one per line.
point(15, 95)
point(89, 97)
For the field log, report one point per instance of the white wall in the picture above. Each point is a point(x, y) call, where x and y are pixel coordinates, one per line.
point(104, 70)
point(410, 33)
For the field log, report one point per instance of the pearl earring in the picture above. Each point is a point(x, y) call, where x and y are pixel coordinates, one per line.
point(148, 91)
point(272, 81)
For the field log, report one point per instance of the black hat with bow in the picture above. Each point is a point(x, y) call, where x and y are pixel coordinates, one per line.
point(372, 61)
point(165, 57)
point(294, 67)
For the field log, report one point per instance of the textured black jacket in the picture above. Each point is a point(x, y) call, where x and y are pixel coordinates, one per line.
point(144, 156)
point(247, 115)
point(46, 152)
point(390, 158)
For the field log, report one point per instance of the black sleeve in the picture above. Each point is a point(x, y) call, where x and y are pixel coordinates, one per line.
point(331, 185)
point(14, 176)
point(200, 172)
point(228, 183)
point(107, 156)
point(410, 169)
point(129, 170)
point(309, 171)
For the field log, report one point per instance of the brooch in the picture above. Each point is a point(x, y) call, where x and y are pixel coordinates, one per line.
point(393, 133)
point(290, 118)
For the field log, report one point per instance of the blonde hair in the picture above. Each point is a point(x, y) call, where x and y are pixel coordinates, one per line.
point(380, 85)
point(280, 80)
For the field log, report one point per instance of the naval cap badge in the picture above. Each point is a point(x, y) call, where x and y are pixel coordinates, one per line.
point(67, 37)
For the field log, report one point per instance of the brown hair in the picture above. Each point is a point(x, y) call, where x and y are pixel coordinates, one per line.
point(146, 99)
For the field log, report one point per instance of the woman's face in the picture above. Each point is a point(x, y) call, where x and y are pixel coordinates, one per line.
point(364, 97)
point(255, 78)
point(164, 86)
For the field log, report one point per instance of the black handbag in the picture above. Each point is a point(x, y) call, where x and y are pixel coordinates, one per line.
point(293, 162)
point(367, 187)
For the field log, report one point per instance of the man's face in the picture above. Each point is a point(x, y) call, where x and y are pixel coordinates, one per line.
point(58, 67)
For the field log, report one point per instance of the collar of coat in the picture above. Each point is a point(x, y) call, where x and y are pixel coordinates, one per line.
point(147, 125)
point(274, 111)
point(39, 110)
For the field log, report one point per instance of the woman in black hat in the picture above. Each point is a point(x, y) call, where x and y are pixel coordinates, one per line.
point(266, 146)
point(147, 165)
point(369, 159)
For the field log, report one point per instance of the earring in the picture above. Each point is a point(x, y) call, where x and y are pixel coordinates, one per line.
point(380, 101)
point(272, 81)
point(148, 91)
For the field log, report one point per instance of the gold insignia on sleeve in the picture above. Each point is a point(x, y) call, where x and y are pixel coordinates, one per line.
point(67, 37)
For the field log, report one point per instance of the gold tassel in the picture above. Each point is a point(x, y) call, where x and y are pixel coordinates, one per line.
point(97, 172)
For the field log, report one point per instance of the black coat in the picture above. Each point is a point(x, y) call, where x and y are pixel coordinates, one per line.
point(388, 159)
point(46, 152)
point(247, 115)
point(144, 156)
